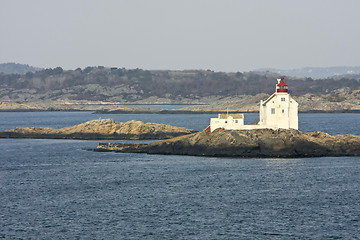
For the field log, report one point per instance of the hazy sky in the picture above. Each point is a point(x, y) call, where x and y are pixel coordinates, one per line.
point(221, 35)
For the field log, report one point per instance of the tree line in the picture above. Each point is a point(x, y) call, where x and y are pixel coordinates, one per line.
point(170, 84)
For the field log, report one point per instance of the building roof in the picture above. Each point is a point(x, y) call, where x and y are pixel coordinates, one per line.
point(234, 116)
point(272, 96)
point(268, 99)
point(282, 83)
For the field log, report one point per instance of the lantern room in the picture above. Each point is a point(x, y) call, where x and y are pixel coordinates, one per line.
point(282, 86)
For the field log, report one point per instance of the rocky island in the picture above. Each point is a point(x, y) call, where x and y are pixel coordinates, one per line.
point(101, 129)
point(282, 143)
point(275, 135)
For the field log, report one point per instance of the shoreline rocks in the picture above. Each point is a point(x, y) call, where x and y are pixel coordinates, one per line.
point(341, 101)
point(101, 129)
point(261, 143)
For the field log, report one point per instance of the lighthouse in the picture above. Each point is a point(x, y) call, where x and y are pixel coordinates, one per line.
point(279, 110)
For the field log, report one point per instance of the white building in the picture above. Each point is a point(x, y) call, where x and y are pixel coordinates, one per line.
point(280, 110)
point(227, 121)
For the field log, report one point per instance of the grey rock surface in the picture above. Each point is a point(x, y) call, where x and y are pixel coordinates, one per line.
point(252, 143)
point(101, 129)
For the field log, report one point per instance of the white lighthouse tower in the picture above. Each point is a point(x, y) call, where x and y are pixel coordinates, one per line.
point(280, 110)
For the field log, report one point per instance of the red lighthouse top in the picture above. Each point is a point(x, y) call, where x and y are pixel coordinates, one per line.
point(282, 86)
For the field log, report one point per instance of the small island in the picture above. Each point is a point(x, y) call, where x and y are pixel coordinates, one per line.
point(265, 143)
point(275, 135)
point(101, 129)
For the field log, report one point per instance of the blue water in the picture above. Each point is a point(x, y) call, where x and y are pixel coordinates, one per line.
point(57, 189)
point(332, 123)
point(160, 106)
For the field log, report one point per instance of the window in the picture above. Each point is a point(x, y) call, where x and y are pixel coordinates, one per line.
point(273, 111)
point(283, 111)
point(236, 121)
point(225, 121)
point(283, 99)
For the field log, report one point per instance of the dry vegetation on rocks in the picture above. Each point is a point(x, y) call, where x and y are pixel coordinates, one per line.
point(251, 143)
point(101, 129)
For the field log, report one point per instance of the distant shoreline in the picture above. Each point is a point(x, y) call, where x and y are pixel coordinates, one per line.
point(163, 111)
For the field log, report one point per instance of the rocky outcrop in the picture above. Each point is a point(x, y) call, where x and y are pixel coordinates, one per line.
point(343, 100)
point(123, 147)
point(250, 143)
point(59, 105)
point(101, 129)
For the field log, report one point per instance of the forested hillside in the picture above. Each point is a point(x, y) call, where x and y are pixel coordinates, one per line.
point(119, 84)
point(16, 68)
point(317, 72)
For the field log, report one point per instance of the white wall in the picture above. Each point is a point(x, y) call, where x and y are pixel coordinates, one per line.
point(293, 111)
point(228, 123)
point(285, 115)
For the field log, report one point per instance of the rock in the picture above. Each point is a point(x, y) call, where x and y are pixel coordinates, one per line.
point(340, 100)
point(253, 143)
point(128, 147)
point(101, 129)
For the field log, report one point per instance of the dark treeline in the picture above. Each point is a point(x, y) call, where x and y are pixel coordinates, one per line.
point(170, 84)
point(17, 68)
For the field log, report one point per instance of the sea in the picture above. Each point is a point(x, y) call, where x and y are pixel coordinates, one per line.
point(61, 189)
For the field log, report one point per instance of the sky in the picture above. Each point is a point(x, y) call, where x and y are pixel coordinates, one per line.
point(220, 35)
